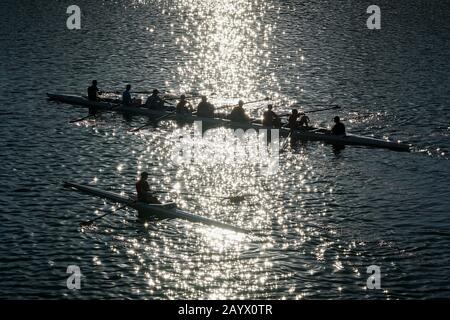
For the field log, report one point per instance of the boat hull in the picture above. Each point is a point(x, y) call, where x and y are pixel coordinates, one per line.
point(349, 139)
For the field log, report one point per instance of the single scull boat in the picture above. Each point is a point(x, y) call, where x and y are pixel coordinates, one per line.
point(148, 211)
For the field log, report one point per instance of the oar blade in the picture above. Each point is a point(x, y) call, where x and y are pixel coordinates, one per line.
point(81, 119)
point(138, 128)
point(148, 124)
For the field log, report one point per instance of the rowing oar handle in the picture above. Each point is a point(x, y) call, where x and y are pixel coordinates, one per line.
point(311, 111)
point(235, 105)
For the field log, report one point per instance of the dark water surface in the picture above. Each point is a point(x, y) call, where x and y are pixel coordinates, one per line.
point(319, 222)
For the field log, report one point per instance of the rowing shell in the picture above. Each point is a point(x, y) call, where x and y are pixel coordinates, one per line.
point(148, 211)
point(314, 134)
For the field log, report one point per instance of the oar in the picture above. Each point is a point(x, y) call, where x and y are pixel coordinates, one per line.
point(137, 92)
point(238, 198)
point(82, 119)
point(151, 122)
point(318, 105)
point(231, 198)
point(169, 103)
point(112, 100)
point(194, 96)
point(312, 111)
point(90, 222)
point(324, 109)
point(234, 105)
point(285, 144)
point(95, 114)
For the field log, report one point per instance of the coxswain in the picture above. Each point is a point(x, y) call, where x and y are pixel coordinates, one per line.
point(270, 118)
point(93, 92)
point(238, 113)
point(183, 106)
point(339, 127)
point(143, 190)
point(155, 101)
point(205, 109)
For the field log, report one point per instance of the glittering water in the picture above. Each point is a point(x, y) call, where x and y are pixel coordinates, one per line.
point(317, 224)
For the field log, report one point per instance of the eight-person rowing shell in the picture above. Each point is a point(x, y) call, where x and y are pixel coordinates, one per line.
point(296, 119)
